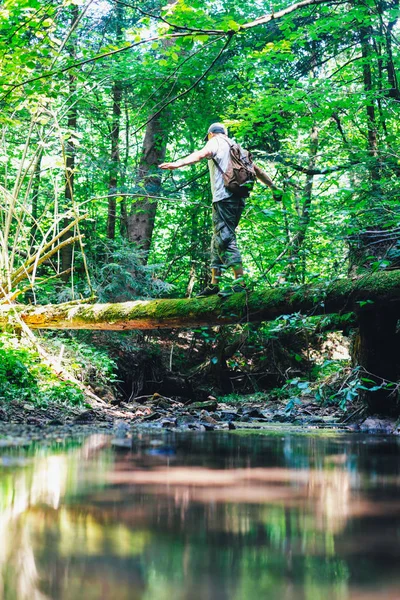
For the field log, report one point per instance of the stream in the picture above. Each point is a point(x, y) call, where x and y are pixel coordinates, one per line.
point(201, 516)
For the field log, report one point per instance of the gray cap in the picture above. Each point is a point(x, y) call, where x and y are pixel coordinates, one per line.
point(216, 128)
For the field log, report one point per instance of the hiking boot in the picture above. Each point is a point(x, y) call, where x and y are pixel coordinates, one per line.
point(239, 287)
point(236, 288)
point(210, 290)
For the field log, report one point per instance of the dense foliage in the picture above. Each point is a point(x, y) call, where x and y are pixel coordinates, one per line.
point(95, 94)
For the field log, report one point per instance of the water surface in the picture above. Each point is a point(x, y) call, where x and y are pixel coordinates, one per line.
point(214, 516)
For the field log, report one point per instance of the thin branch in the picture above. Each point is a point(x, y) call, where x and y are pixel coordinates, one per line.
point(174, 73)
point(311, 172)
point(189, 89)
point(351, 60)
point(220, 32)
point(286, 11)
point(44, 247)
point(164, 20)
point(23, 275)
point(75, 65)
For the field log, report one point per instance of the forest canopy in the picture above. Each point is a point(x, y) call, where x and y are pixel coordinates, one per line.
point(96, 94)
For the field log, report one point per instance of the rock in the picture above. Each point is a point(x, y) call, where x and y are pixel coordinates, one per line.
point(121, 443)
point(208, 426)
point(132, 406)
point(231, 425)
point(168, 423)
point(282, 417)
point(184, 420)
point(55, 422)
point(204, 416)
point(121, 429)
point(228, 416)
point(377, 425)
point(164, 404)
point(3, 415)
point(87, 416)
point(255, 413)
point(197, 426)
point(154, 416)
point(207, 405)
point(216, 416)
point(34, 421)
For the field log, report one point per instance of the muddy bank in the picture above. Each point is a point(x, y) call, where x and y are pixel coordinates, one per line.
point(158, 413)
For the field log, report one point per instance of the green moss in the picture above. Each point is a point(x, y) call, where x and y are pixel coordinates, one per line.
point(262, 305)
point(277, 430)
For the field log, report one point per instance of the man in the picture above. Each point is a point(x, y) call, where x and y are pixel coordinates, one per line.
point(226, 208)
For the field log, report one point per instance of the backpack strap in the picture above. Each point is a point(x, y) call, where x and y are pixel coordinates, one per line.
point(218, 166)
point(215, 162)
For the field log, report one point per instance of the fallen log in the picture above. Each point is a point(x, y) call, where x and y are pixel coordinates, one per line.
point(366, 294)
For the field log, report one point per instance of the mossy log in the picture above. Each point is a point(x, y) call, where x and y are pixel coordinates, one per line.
point(370, 292)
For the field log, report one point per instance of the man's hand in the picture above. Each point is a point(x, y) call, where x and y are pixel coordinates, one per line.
point(277, 195)
point(170, 165)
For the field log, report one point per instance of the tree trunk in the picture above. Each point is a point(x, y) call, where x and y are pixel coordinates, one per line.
point(115, 154)
point(140, 221)
point(377, 352)
point(372, 134)
point(380, 290)
point(70, 150)
point(304, 215)
point(394, 91)
point(123, 228)
point(115, 162)
point(35, 196)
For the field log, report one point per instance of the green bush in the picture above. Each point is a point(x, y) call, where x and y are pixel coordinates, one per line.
point(24, 377)
point(16, 379)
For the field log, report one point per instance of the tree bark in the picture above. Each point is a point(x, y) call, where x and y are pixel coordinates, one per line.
point(115, 127)
point(35, 196)
point(115, 162)
point(372, 134)
point(378, 291)
point(296, 270)
point(394, 91)
point(377, 351)
point(70, 151)
point(140, 221)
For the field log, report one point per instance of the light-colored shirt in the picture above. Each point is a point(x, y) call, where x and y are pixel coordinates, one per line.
point(218, 147)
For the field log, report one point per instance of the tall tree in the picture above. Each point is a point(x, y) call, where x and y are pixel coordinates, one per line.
point(70, 149)
point(115, 132)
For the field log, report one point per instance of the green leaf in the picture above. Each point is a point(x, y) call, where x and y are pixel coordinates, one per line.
point(233, 25)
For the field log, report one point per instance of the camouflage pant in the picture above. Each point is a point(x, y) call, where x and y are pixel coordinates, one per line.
point(225, 218)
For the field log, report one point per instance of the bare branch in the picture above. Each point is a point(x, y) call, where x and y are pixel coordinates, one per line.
point(285, 11)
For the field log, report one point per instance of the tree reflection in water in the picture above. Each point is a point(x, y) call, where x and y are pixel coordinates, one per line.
point(195, 517)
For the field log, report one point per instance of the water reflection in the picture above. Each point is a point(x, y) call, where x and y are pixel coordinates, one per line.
point(202, 517)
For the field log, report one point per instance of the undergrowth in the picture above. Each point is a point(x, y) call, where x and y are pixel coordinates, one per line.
point(24, 377)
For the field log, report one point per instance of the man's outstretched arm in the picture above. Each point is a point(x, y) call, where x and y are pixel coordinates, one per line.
point(266, 180)
point(188, 160)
